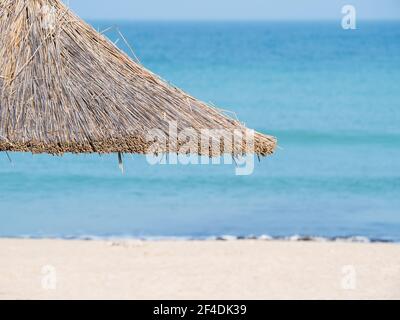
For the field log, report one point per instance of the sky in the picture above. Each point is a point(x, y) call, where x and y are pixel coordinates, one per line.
point(232, 9)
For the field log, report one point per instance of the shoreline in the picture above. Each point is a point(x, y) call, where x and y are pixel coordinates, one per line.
point(159, 270)
point(265, 238)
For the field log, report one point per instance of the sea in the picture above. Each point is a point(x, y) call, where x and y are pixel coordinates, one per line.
point(331, 97)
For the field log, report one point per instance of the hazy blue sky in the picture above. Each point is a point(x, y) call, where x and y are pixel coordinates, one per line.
point(232, 9)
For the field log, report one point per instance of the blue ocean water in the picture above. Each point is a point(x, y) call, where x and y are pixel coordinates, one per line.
point(332, 97)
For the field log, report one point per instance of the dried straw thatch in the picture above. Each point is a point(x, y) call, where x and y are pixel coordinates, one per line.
point(64, 87)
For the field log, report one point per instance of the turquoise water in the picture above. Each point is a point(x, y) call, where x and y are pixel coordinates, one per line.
point(332, 97)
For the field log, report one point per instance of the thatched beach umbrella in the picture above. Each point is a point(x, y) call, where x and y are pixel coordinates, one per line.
point(64, 87)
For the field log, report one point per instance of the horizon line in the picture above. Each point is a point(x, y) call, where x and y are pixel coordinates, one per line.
point(240, 20)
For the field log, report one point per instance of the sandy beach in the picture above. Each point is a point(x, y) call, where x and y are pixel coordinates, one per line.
point(57, 269)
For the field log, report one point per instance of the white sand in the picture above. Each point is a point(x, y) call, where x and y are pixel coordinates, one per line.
point(49, 269)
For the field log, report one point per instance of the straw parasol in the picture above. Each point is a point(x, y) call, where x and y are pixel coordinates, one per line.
point(66, 88)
